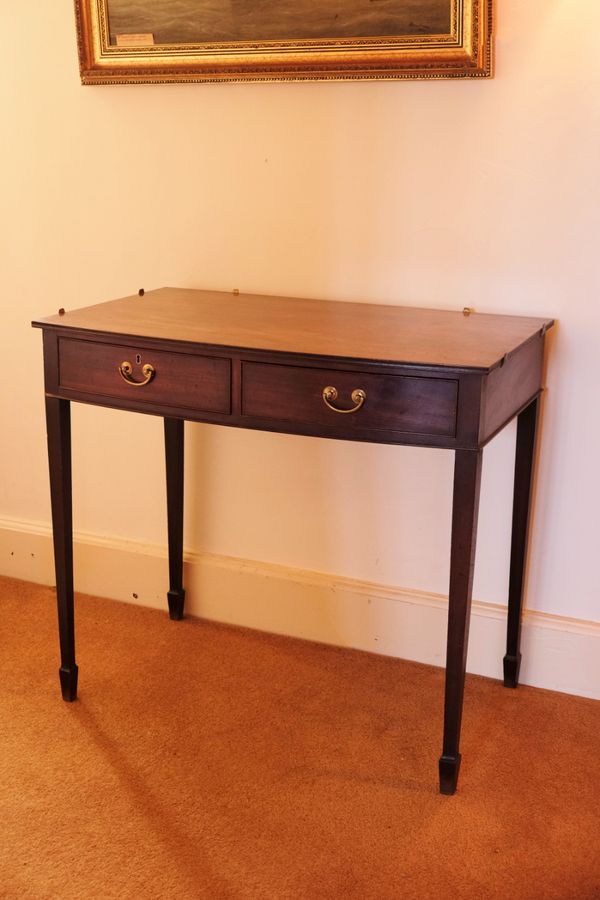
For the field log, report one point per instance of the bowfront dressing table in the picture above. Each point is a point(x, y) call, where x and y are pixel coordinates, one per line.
point(360, 372)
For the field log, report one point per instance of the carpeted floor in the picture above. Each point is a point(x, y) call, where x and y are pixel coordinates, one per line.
point(203, 761)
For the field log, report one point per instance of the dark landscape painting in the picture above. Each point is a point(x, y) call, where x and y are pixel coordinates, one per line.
point(203, 21)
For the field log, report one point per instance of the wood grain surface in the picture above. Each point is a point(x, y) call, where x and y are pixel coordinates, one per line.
point(362, 331)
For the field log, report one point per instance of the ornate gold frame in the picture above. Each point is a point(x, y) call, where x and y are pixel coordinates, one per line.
point(466, 52)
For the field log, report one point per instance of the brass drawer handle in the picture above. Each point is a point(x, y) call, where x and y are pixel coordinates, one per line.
point(358, 397)
point(126, 371)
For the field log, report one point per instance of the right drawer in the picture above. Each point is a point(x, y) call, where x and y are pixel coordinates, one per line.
point(393, 403)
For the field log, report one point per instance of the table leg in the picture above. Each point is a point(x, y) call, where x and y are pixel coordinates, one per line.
point(174, 465)
point(58, 424)
point(467, 479)
point(524, 460)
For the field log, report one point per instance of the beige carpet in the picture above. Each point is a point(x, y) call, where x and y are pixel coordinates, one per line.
point(207, 761)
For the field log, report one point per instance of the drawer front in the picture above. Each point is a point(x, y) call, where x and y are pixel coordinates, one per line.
point(392, 403)
point(178, 379)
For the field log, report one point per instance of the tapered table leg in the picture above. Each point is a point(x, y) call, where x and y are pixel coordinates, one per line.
point(524, 460)
point(174, 465)
point(465, 507)
point(58, 424)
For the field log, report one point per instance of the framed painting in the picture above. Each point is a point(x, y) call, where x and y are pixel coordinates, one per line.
point(138, 41)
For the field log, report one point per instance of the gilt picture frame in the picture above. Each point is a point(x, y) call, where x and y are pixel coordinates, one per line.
point(160, 41)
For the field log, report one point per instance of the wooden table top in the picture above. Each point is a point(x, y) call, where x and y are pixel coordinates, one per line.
point(363, 331)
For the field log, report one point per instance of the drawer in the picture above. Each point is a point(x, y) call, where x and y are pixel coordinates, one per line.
point(392, 403)
point(178, 379)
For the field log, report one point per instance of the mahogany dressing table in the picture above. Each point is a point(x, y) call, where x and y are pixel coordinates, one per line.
point(359, 372)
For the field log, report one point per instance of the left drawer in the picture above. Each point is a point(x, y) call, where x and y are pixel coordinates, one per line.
point(130, 372)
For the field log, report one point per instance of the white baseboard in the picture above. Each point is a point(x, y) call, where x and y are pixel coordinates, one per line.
point(559, 653)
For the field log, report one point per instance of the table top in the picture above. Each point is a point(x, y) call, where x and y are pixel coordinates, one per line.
point(364, 331)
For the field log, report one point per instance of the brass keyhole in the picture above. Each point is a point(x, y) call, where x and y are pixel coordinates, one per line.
point(138, 358)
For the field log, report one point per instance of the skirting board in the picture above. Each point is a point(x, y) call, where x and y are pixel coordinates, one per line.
point(559, 653)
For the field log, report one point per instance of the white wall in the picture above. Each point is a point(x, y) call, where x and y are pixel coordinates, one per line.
point(446, 193)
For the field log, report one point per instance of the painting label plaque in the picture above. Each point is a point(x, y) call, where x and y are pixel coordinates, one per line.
point(134, 40)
